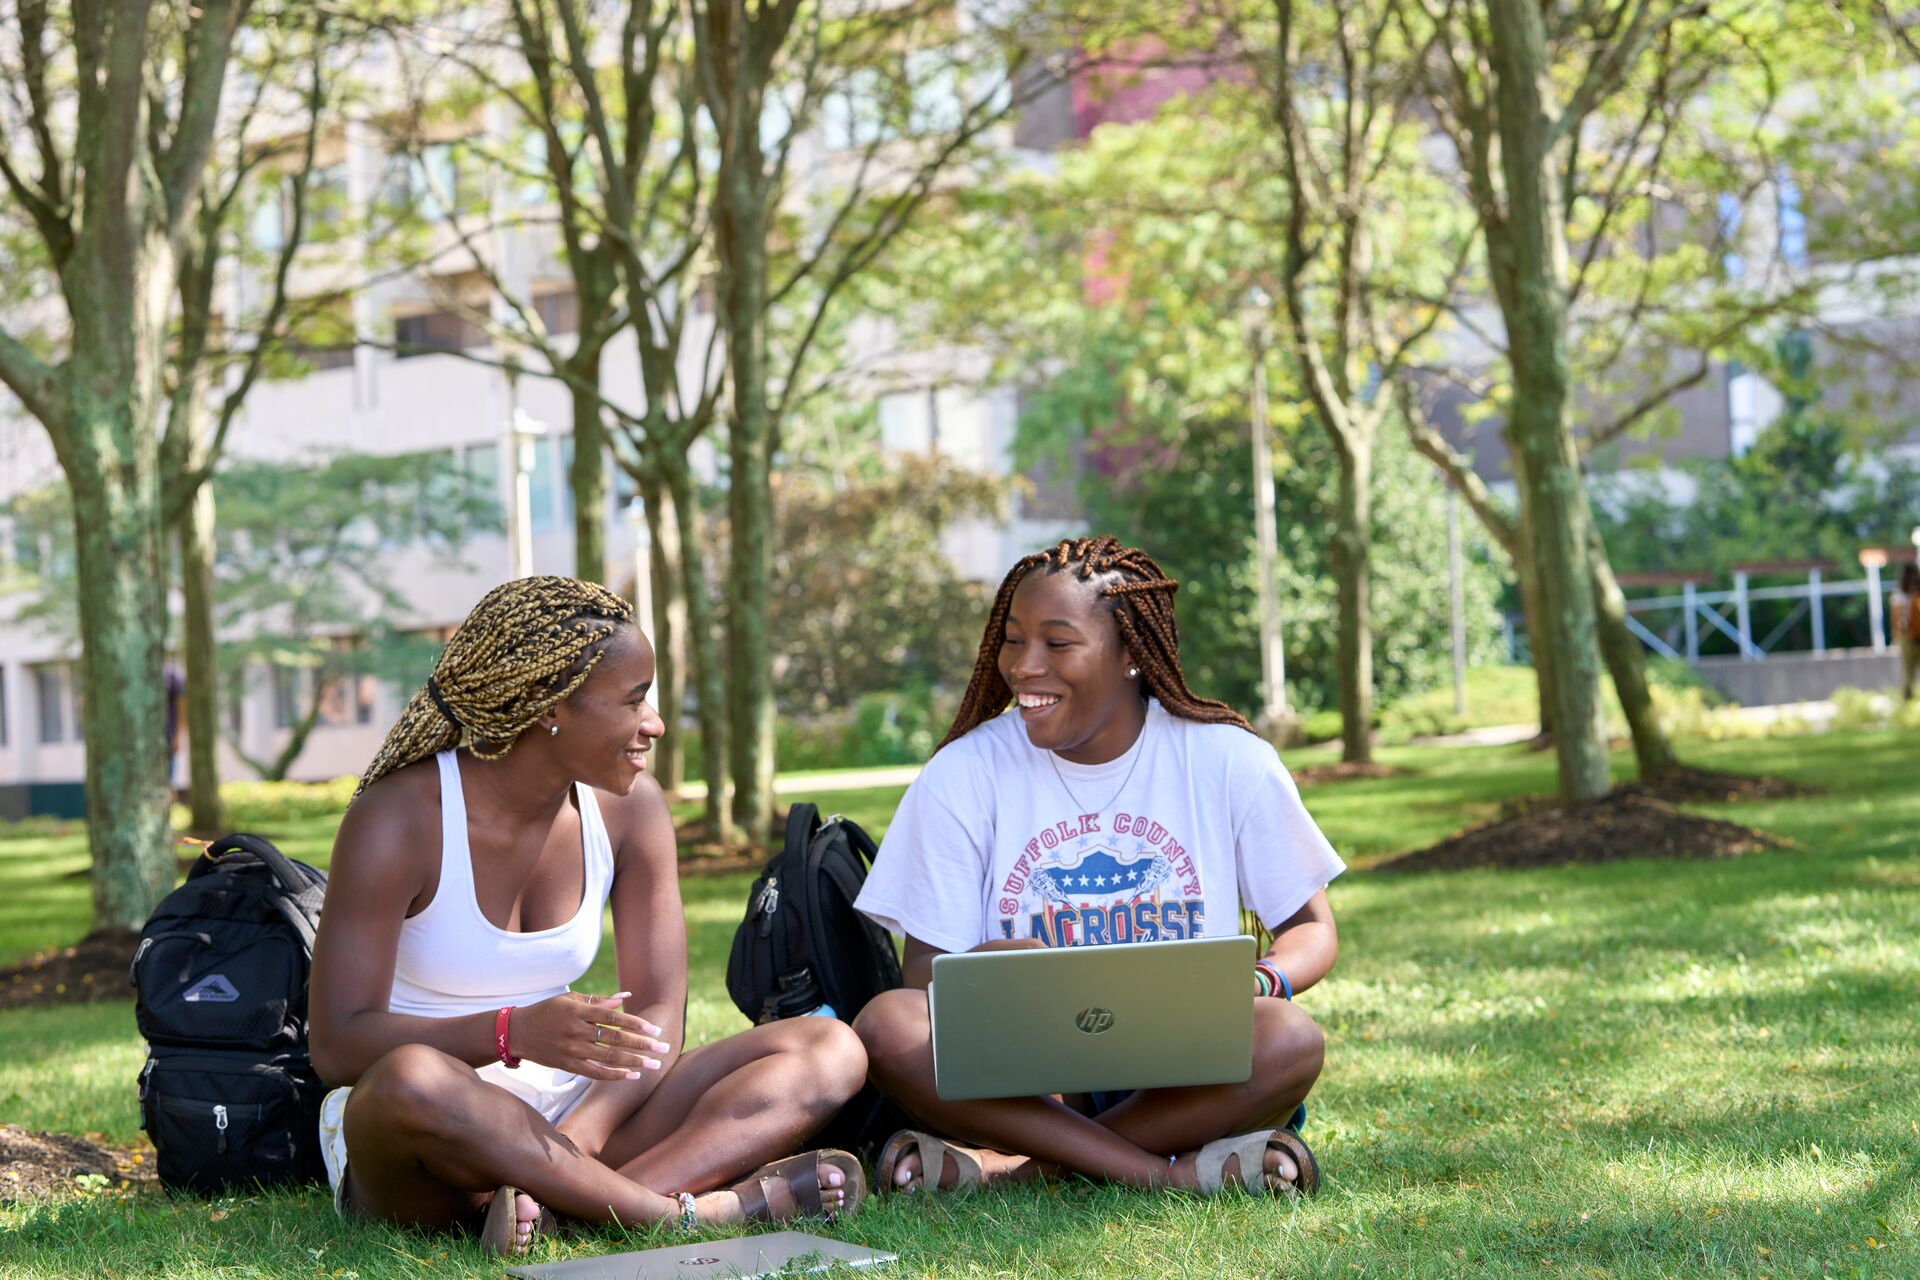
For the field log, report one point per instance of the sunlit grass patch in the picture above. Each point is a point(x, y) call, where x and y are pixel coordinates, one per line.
point(1647, 1069)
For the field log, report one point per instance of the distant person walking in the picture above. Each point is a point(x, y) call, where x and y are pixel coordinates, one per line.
point(175, 686)
point(1901, 608)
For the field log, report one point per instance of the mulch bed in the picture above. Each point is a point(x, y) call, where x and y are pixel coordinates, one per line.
point(35, 1166)
point(94, 968)
point(1343, 771)
point(1684, 784)
point(1623, 825)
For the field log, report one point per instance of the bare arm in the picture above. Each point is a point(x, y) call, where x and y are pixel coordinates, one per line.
point(1306, 943)
point(380, 859)
point(917, 965)
point(650, 953)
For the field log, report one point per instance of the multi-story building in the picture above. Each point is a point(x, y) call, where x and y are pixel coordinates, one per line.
point(411, 386)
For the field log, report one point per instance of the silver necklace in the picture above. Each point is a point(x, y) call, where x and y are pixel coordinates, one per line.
point(1139, 749)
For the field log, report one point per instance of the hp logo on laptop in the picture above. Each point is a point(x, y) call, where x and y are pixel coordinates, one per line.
point(1093, 1021)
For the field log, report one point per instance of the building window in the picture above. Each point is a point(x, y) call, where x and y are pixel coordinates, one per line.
point(559, 312)
point(481, 465)
point(543, 508)
point(431, 185)
point(287, 688)
point(50, 697)
point(1792, 220)
point(347, 699)
point(430, 331)
point(320, 358)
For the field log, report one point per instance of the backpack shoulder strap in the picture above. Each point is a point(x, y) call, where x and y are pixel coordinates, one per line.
point(802, 821)
point(297, 889)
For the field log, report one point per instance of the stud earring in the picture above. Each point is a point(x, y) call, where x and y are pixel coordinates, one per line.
point(1133, 673)
point(552, 729)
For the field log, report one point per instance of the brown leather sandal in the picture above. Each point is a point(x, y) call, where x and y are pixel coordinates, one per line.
point(1211, 1163)
point(790, 1188)
point(499, 1233)
point(934, 1155)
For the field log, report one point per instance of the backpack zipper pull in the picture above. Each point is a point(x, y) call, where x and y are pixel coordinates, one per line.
point(769, 903)
point(220, 1127)
point(133, 965)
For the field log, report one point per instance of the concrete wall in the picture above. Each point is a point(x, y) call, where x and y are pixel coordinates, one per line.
point(1800, 677)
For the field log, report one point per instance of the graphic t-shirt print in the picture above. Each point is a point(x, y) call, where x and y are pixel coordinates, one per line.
point(1097, 879)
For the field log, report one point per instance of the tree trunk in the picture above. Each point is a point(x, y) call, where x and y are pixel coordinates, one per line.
point(1352, 551)
point(741, 228)
point(587, 477)
point(703, 655)
point(1652, 750)
point(1526, 252)
point(669, 624)
point(202, 665)
point(122, 588)
point(1564, 574)
point(1533, 615)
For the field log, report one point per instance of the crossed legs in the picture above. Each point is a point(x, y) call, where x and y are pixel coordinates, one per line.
point(429, 1141)
point(1129, 1143)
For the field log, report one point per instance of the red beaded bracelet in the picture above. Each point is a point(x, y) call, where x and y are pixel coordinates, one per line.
point(500, 1036)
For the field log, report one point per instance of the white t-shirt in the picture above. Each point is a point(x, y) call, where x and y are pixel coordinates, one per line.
point(1165, 842)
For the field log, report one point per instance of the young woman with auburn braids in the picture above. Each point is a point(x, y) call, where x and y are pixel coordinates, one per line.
point(508, 807)
point(1109, 804)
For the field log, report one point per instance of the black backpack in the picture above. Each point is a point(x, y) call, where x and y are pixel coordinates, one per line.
point(228, 1094)
point(802, 944)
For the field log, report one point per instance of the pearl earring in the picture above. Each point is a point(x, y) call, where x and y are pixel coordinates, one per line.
point(1132, 672)
point(552, 729)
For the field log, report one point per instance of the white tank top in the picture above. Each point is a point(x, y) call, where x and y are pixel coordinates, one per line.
point(452, 960)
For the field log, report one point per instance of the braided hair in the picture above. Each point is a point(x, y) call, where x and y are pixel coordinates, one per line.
point(1141, 601)
point(523, 650)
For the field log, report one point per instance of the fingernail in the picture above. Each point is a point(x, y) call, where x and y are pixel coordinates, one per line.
point(652, 1064)
point(633, 1075)
point(649, 1028)
point(661, 1046)
point(618, 996)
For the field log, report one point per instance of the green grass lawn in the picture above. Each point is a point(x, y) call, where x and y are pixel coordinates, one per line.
point(1645, 1069)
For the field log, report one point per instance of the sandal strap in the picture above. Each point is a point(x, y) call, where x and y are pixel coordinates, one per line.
point(934, 1155)
point(933, 1160)
point(1210, 1167)
point(783, 1190)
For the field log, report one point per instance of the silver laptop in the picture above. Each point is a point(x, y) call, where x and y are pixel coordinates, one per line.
point(775, 1253)
point(1138, 1015)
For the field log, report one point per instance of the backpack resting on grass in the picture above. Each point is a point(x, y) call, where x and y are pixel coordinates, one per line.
point(228, 1094)
point(802, 948)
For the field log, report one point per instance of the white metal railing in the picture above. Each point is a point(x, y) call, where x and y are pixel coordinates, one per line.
point(1674, 625)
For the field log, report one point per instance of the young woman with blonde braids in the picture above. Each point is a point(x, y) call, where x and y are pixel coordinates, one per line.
point(506, 810)
point(1109, 804)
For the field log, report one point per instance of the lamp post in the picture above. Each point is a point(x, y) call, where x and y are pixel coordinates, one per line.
point(642, 564)
point(1275, 721)
point(1456, 604)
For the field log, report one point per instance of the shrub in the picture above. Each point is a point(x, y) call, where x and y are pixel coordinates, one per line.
point(255, 804)
point(1321, 726)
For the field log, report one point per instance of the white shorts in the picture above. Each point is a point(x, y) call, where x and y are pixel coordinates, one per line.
point(551, 1092)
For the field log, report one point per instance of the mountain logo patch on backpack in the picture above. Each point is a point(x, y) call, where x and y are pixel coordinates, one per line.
point(214, 988)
